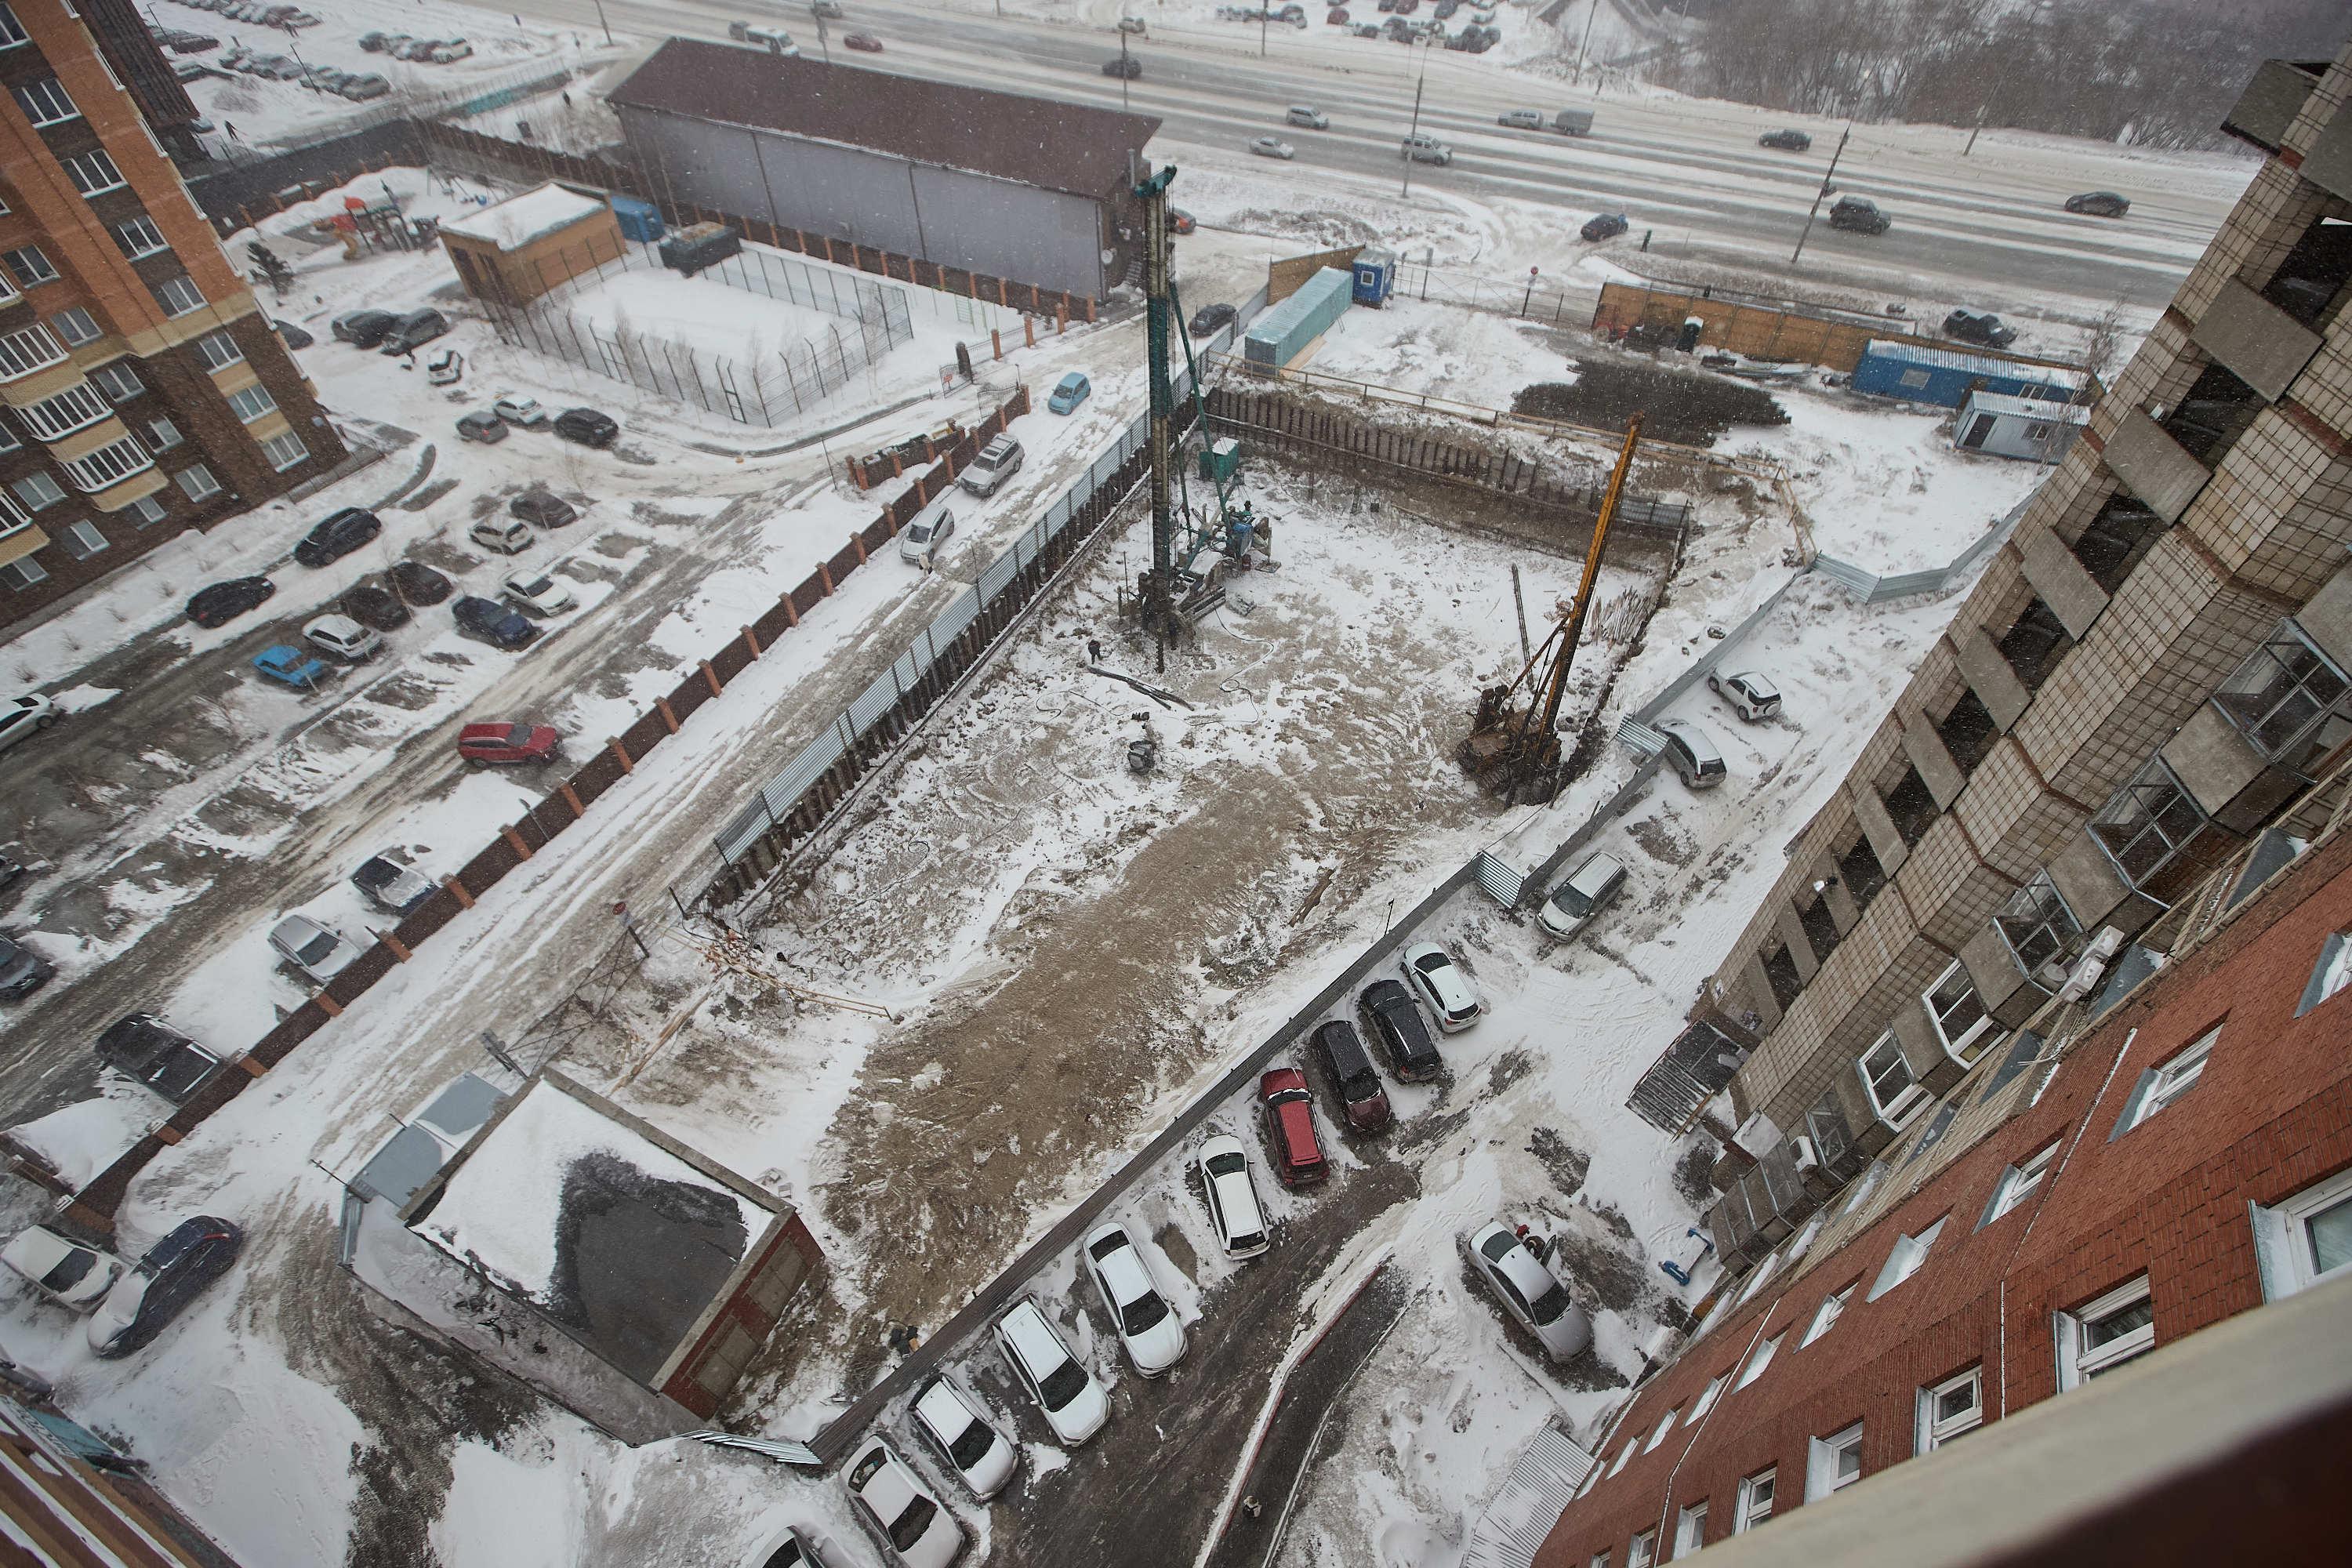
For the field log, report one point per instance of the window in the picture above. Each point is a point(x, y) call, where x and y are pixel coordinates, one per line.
point(1761, 1358)
point(1958, 1015)
point(2213, 413)
point(1707, 1401)
point(76, 326)
point(1949, 1408)
point(82, 540)
point(1642, 1553)
point(1912, 380)
point(249, 403)
point(119, 382)
point(110, 464)
point(2307, 281)
point(2160, 1086)
point(1665, 1425)
point(37, 491)
point(1780, 974)
point(146, 511)
point(2040, 931)
point(2157, 834)
point(12, 31)
point(1903, 1261)
point(30, 266)
point(1833, 1463)
point(178, 296)
point(1600, 1560)
point(8, 442)
point(23, 573)
point(2019, 1183)
point(139, 236)
point(1624, 1455)
point(26, 350)
point(284, 450)
point(2329, 975)
point(197, 482)
point(2104, 1334)
point(1755, 1501)
point(1912, 807)
point(1690, 1531)
point(93, 171)
point(1826, 1316)
point(1887, 1079)
point(163, 435)
point(2113, 542)
point(218, 349)
point(76, 408)
point(2037, 432)
point(2288, 700)
point(2033, 645)
point(2305, 1239)
point(45, 102)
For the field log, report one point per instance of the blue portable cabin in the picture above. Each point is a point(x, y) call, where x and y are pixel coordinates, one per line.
point(639, 220)
point(1281, 334)
point(1375, 275)
point(1919, 373)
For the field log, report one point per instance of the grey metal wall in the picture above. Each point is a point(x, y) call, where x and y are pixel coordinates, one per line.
point(948, 215)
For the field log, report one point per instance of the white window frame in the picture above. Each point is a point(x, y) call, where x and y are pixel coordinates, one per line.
point(252, 403)
point(1641, 1552)
point(1758, 1360)
point(2019, 1183)
point(1826, 1315)
point(142, 221)
point(210, 485)
point(1600, 1560)
point(17, 348)
point(12, 31)
point(146, 511)
point(23, 573)
point(1908, 1100)
point(2329, 973)
point(1665, 1425)
point(2078, 1365)
point(42, 269)
point(1822, 1454)
point(43, 478)
point(77, 317)
point(219, 351)
point(157, 429)
point(1690, 1529)
point(106, 377)
point(175, 284)
point(50, 93)
point(1975, 1039)
point(1934, 1431)
point(2283, 1244)
point(2165, 1083)
point(1755, 1500)
point(65, 411)
point(77, 537)
point(102, 164)
point(1625, 1455)
point(1715, 1388)
point(1904, 1259)
point(274, 449)
point(103, 468)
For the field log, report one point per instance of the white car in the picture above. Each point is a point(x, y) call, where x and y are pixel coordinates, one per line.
point(790, 1550)
point(924, 536)
point(891, 1497)
point(537, 592)
point(1272, 147)
point(1232, 1198)
point(317, 951)
point(1529, 1291)
point(68, 1272)
point(344, 637)
point(967, 1439)
point(1147, 1324)
point(1430, 971)
point(1075, 1405)
point(28, 713)
point(506, 537)
point(1597, 879)
point(525, 412)
point(1756, 698)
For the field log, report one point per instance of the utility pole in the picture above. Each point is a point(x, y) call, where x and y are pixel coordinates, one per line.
point(1591, 9)
point(602, 23)
point(821, 44)
point(1825, 191)
point(1261, 32)
point(1406, 189)
point(1972, 132)
point(1122, 70)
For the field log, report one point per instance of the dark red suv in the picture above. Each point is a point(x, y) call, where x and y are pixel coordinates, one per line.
point(1290, 1128)
point(507, 744)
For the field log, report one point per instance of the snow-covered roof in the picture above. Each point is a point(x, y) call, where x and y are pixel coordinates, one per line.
point(2029, 408)
point(516, 222)
point(621, 1240)
point(1975, 364)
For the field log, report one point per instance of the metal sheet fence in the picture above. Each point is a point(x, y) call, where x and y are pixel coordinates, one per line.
point(1873, 589)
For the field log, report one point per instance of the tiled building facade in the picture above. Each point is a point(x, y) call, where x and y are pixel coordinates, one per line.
point(2105, 1182)
point(144, 390)
point(2154, 661)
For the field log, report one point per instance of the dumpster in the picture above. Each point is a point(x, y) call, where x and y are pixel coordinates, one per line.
point(639, 220)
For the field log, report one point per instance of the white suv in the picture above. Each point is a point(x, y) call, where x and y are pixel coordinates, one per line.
point(996, 463)
point(1147, 1324)
point(1075, 1405)
point(1431, 972)
point(1756, 698)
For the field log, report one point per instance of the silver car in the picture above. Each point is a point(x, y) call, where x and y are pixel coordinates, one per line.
point(1596, 880)
point(1272, 147)
point(920, 543)
point(998, 461)
point(1529, 1290)
point(1430, 971)
point(26, 715)
point(318, 950)
point(1692, 752)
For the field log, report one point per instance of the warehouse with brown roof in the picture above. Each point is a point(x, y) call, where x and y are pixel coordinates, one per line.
point(1023, 188)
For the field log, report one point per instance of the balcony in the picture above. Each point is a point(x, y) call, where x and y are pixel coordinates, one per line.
point(2271, 100)
point(2309, 282)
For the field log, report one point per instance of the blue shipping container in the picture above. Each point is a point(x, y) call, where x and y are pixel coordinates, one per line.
point(1282, 333)
point(640, 220)
point(1923, 374)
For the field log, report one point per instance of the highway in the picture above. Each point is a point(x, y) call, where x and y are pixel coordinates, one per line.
point(1689, 169)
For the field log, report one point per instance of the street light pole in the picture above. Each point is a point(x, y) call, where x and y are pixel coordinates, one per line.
point(1825, 191)
point(1973, 130)
point(1592, 10)
point(1407, 188)
point(1122, 70)
point(1261, 32)
point(607, 26)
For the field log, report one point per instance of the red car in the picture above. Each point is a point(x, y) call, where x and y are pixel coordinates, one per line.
point(864, 43)
point(1182, 221)
point(486, 745)
point(1290, 1128)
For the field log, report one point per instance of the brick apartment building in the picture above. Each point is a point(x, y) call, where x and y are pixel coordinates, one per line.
point(2146, 670)
point(2175, 1152)
point(144, 389)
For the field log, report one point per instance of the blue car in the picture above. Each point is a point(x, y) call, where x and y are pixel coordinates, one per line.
point(1070, 394)
point(290, 666)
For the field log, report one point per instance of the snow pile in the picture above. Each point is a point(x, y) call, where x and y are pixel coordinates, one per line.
point(82, 1140)
point(532, 215)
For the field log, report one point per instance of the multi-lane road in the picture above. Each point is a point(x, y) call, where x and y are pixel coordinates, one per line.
point(1689, 170)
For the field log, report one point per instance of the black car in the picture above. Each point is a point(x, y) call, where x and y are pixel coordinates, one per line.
point(541, 509)
point(418, 584)
point(337, 535)
point(296, 338)
point(1786, 141)
point(587, 426)
point(379, 609)
point(2099, 204)
point(1126, 66)
point(160, 1286)
point(1209, 318)
point(487, 620)
point(418, 327)
point(144, 1047)
point(1970, 327)
point(1859, 215)
point(1608, 225)
point(22, 971)
point(364, 329)
point(223, 602)
point(1403, 1034)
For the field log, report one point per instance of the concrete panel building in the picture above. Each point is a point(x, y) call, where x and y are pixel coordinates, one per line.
point(2158, 657)
point(1026, 189)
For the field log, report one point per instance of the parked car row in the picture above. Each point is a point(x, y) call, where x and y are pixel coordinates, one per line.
point(389, 332)
point(425, 51)
point(283, 17)
point(357, 86)
point(129, 1304)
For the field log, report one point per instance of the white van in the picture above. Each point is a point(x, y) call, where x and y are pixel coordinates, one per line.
point(1600, 879)
point(1304, 114)
point(1692, 752)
